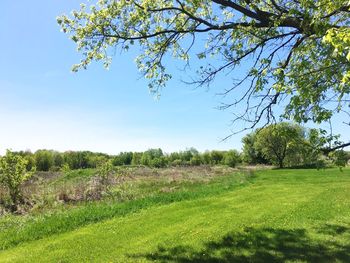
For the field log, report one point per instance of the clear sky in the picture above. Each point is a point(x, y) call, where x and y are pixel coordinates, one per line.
point(44, 105)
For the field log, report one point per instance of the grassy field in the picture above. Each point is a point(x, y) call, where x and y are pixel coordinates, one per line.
point(268, 216)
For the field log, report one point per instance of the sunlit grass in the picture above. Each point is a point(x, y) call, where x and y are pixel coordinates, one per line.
point(281, 215)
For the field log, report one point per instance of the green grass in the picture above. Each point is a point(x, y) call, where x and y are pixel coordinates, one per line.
point(281, 215)
point(17, 230)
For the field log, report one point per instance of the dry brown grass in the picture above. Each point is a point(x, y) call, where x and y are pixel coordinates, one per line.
point(48, 190)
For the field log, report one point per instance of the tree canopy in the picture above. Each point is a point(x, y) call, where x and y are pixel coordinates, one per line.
point(278, 142)
point(296, 53)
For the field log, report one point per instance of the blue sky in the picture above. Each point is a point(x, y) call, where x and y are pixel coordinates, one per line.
point(44, 105)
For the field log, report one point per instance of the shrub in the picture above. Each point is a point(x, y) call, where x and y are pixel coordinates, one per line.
point(176, 162)
point(231, 158)
point(339, 158)
point(13, 173)
point(104, 170)
point(43, 160)
point(216, 157)
point(196, 160)
point(158, 162)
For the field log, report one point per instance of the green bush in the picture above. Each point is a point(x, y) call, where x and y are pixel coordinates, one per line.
point(158, 162)
point(196, 160)
point(13, 172)
point(176, 162)
point(231, 158)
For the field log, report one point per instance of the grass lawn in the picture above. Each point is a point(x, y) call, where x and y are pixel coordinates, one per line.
point(278, 216)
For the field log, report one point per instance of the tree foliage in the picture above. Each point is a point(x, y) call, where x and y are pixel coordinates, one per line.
point(104, 170)
point(279, 141)
point(297, 52)
point(287, 144)
point(13, 172)
point(232, 158)
point(250, 154)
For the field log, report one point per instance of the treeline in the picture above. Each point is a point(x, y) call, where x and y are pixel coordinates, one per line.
point(283, 144)
point(291, 145)
point(50, 160)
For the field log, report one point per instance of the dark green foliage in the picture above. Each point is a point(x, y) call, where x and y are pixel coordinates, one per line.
point(136, 158)
point(49, 160)
point(176, 162)
point(196, 160)
point(44, 160)
point(58, 159)
point(250, 154)
point(340, 158)
point(304, 150)
point(148, 156)
point(76, 160)
point(216, 157)
point(187, 155)
point(124, 158)
point(159, 162)
point(291, 145)
point(231, 158)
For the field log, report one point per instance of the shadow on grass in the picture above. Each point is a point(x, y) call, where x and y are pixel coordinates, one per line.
point(260, 245)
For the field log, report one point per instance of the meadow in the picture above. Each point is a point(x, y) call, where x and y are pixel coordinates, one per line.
point(192, 215)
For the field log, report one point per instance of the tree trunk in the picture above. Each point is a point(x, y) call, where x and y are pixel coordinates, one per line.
point(280, 163)
point(15, 198)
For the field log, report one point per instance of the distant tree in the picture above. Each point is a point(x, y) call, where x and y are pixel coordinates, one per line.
point(43, 160)
point(13, 173)
point(251, 154)
point(216, 157)
point(188, 154)
point(136, 158)
point(196, 160)
point(146, 159)
point(155, 153)
point(57, 160)
point(206, 157)
point(94, 160)
point(123, 158)
point(231, 158)
point(278, 141)
point(149, 155)
point(177, 162)
point(174, 156)
point(104, 170)
point(339, 158)
point(77, 160)
point(158, 162)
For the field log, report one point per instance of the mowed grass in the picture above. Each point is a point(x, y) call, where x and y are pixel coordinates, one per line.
point(280, 215)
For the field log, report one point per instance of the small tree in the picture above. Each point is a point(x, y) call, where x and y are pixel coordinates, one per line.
point(231, 158)
point(339, 158)
point(44, 160)
point(216, 157)
point(196, 160)
point(13, 173)
point(279, 141)
point(104, 170)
